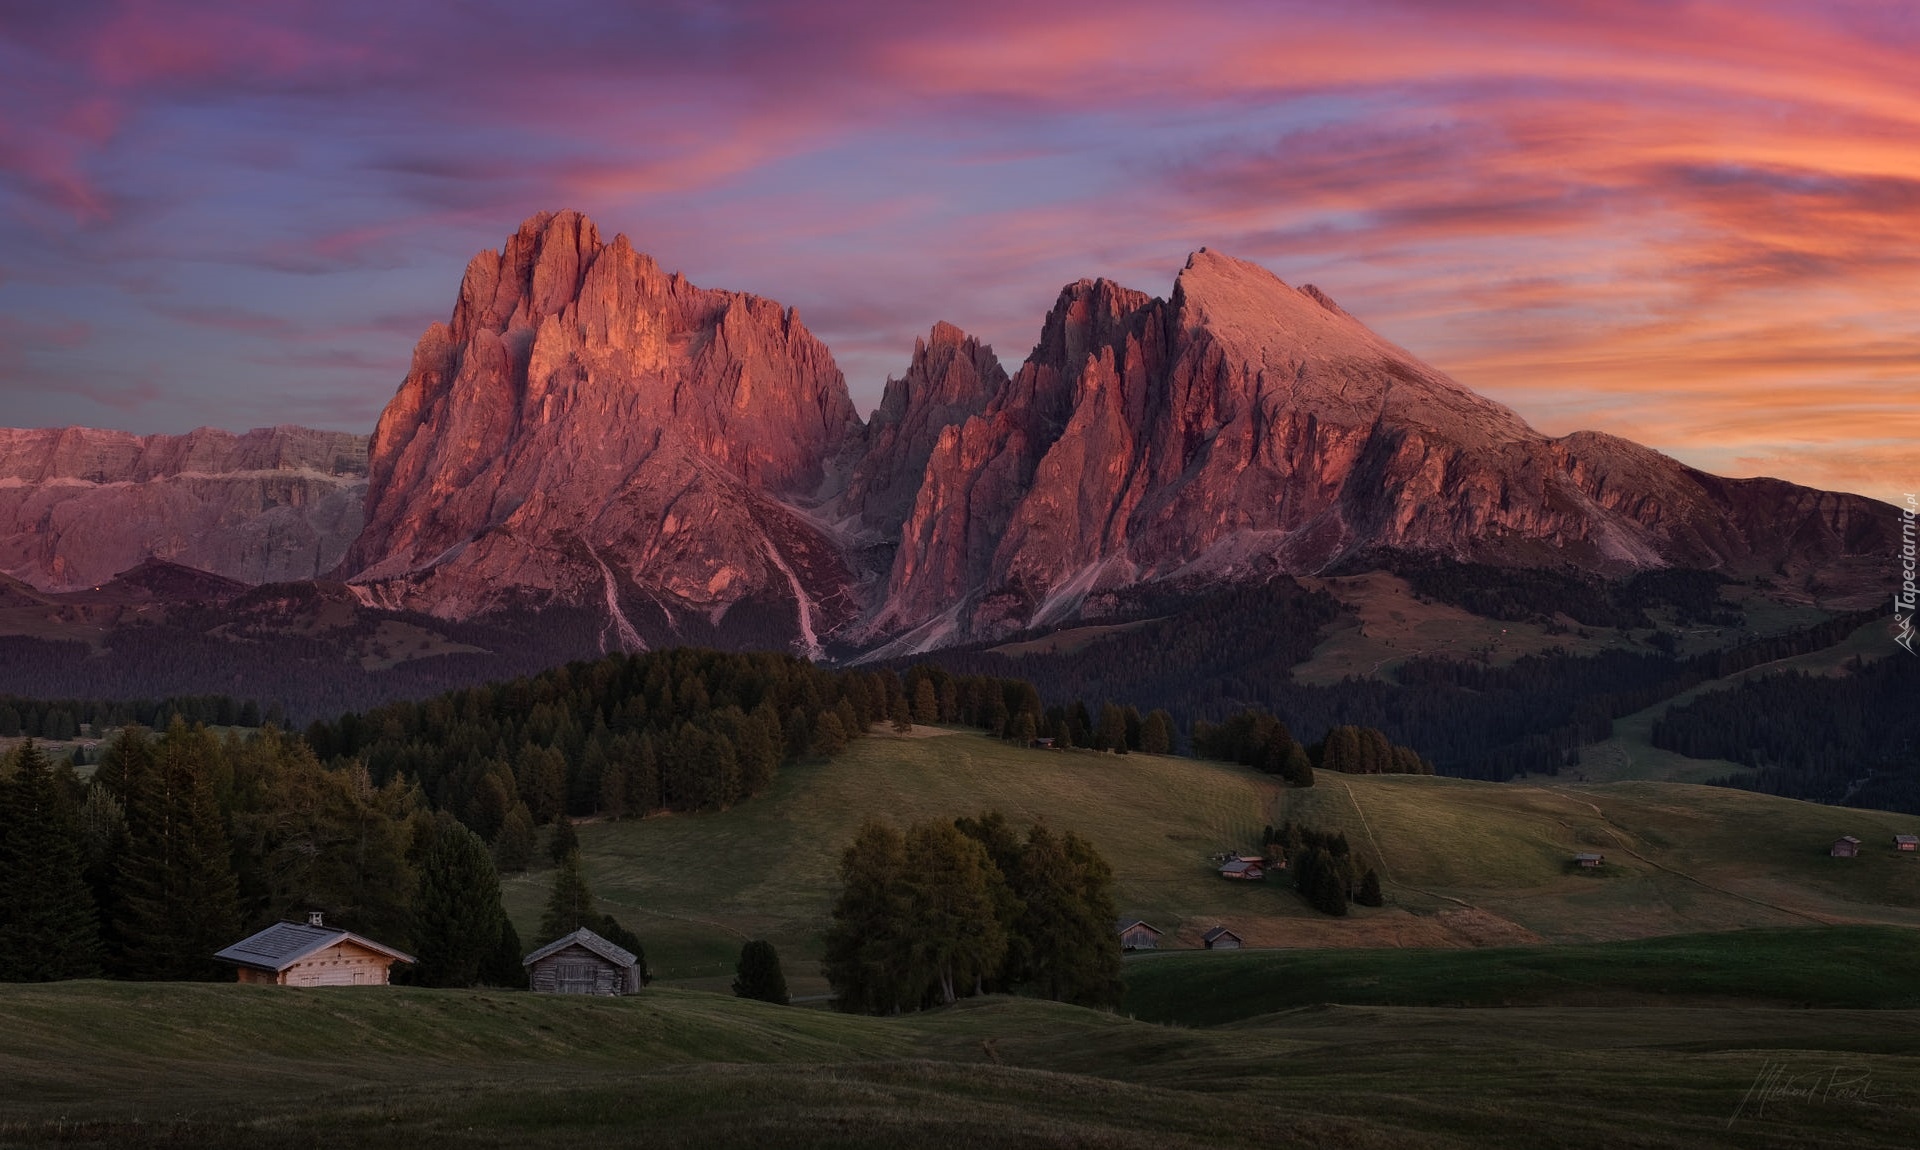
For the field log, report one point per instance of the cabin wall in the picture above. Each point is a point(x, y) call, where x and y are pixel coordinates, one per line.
point(342, 964)
point(577, 970)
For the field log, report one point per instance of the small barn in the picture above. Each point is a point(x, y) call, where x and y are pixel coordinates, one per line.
point(312, 954)
point(582, 963)
point(1137, 935)
point(1220, 938)
point(1906, 842)
point(1589, 858)
point(1845, 847)
point(1246, 870)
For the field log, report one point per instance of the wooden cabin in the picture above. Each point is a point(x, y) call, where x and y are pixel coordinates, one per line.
point(1845, 847)
point(1906, 842)
point(1220, 938)
point(1137, 935)
point(1242, 869)
point(582, 963)
point(1589, 858)
point(313, 954)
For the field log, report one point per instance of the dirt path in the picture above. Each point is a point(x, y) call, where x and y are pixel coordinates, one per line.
point(1618, 832)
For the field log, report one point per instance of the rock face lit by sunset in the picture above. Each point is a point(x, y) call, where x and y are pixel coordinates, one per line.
point(1693, 226)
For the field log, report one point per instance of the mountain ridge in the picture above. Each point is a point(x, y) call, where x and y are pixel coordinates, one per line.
point(587, 430)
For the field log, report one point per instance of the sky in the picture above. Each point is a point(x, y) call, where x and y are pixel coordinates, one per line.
point(1696, 225)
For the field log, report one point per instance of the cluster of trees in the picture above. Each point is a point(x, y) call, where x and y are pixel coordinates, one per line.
point(1120, 729)
point(1852, 738)
point(1257, 739)
point(182, 843)
point(1325, 869)
point(950, 909)
point(58, 720)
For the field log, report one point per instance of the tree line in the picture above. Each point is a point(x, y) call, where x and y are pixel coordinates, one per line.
point(949, 909)
point(1851, 738)
point(1255, 738)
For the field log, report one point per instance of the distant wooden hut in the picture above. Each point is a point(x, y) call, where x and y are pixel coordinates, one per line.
point(1906, 842)
point(1245, 870)
point(311, 954)
point(1589, 858)
point(1137, 935)
point(1220, 938)
point(582, 963)
point(1845, 847)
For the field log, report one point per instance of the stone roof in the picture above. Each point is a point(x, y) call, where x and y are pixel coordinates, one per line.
point(285, 943)
point(587, 939)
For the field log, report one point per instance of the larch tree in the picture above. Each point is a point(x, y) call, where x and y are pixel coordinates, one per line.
point(570, 904)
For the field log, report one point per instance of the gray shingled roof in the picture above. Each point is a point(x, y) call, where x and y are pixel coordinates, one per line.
point(1217, 932)
point(585, 938)
point(1123, 925)
point(285, 943)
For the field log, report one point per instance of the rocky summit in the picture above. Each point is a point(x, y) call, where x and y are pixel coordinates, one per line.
point(684, 463)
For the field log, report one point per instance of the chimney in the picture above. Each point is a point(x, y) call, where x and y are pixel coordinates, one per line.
point(313, 918)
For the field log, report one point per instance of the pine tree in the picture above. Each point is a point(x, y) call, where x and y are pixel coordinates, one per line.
point(758, 975)
point(48, 928)
point(179, 896)
point(1113, 729)
point(570, 905)
point(1297, 769)
point(505, 966)
point(900, 715)
point(829, 736)
point(457, 915)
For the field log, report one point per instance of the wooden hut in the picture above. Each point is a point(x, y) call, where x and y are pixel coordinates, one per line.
point(582, 963)
point(313, 954)
point(1137, 935)
point(1906, 842)
point(1845, 847)
point(1220, 938)
point(1242, 869)
point(1589, 858)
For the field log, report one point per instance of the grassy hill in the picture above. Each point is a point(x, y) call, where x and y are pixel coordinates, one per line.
point(1464, 863)
point(264, 1068)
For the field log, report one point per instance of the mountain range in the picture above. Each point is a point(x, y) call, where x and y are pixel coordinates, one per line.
point(590, 432)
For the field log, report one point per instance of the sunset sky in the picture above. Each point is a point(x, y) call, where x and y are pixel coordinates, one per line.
point(1696, 224)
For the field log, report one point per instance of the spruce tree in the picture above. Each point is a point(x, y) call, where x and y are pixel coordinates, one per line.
point(179, 897)
point(48, 928)
point(758, 975)
point(458, 921)
point(570, 905)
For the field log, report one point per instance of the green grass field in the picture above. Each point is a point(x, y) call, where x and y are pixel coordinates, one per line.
point(1463, 863)
point(1849, 967)
point(263, 1068)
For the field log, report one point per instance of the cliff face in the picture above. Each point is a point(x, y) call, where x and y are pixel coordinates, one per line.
point(590, 429)
point(79, 505)
point(1242, 424)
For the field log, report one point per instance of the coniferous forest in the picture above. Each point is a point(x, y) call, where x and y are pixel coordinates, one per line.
point(1852, 738)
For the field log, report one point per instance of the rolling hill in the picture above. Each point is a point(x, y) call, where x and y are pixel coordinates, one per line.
point(1464, 863)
